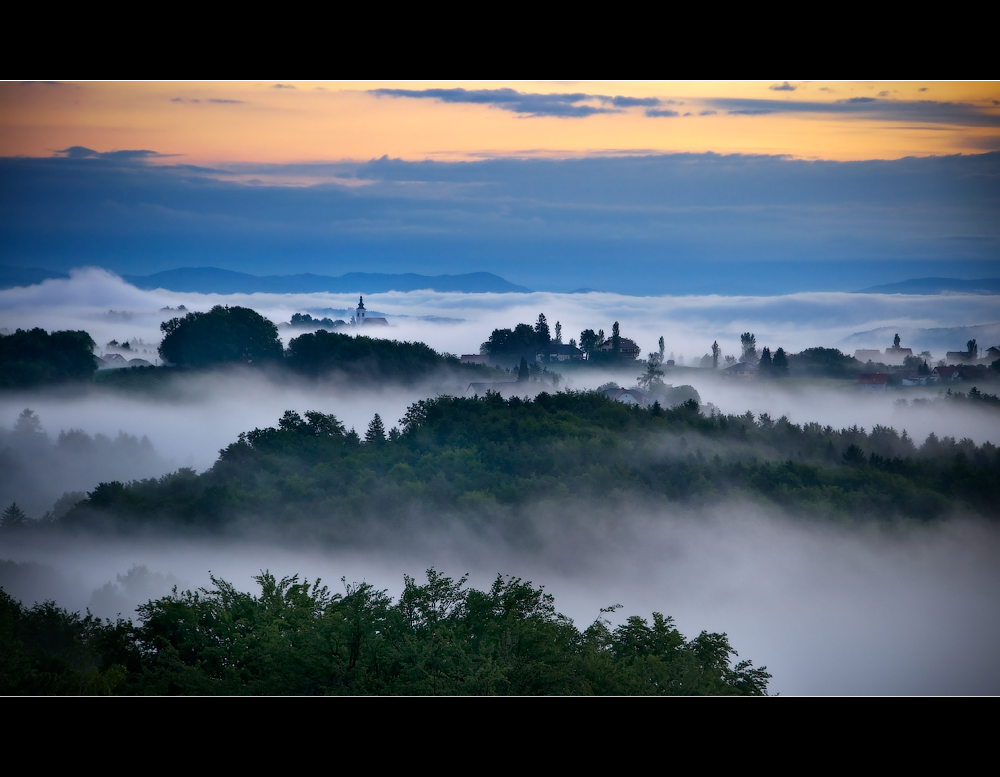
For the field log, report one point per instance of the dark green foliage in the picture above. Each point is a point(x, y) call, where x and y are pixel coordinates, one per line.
point(305, 320)
point(589, 341)
point(45, 650)
point(779, 365)
point(376, 431)
point(824, 362)
point(439, 638)
point(13, 518)
point(493, 459)
point(223, 335)
point(523, 341)
point(522, 371)
point(31, 358)
point(322, 351)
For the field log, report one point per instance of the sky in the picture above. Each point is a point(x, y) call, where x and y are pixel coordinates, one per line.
point(636, 188)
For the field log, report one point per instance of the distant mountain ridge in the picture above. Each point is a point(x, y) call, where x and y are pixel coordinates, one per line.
point(937, 286)
point(209, 280)
point(25, 276)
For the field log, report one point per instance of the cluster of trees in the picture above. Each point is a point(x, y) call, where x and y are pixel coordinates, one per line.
point(493, 459)
point(305, 320)
point(35, 357)
point(439, 638)
point(35, 469)
point(525, 341)
point(223, 334)
point(522, 342)
point(240, 335)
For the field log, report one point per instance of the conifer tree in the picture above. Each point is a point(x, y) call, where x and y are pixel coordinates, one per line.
point(376, 430)
point(13, 517)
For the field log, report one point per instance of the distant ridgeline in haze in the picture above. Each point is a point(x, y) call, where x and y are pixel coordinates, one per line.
point(937, 286)
point(213, 280)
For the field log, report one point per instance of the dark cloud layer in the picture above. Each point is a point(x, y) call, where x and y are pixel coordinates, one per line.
point(581, 105)
point(924, 111)
point(656, 224)
point(527, 104)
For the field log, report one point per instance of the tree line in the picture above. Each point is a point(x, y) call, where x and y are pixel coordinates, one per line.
point(489, 460)
point(296, 637)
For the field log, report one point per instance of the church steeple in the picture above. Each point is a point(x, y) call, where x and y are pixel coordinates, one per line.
point(360, 313)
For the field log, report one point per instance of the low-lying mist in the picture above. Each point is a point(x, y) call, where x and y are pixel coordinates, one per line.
point(109, 308)
point(829, 609)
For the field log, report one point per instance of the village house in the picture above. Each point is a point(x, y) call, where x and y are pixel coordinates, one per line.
point(896, 355)
point(742, 371)
point(873, 381)
point(562, 352)
point(627, 348)
point(626, 396)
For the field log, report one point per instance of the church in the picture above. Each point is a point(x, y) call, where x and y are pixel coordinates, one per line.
point(361, 317)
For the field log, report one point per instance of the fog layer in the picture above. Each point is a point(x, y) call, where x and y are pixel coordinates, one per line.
point(829, 610)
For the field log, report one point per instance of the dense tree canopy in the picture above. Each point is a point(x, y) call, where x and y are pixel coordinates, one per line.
point(322, 351)
point(297, 638)
point(30, 358)
point(224, 334)
point(493, 459)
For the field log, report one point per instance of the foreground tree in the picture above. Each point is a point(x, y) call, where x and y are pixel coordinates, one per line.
point(296, 637)
point(224, 334)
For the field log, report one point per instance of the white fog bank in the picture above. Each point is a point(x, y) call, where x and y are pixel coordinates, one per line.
point(829, 610)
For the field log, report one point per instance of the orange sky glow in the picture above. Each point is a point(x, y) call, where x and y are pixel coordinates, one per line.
point(209, 123)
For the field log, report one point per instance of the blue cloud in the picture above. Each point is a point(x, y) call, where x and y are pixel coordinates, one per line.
point(659, 112)
point(785, 87)
point(924, 111)
point(82, 152)
point(652, 224)
point(524, 103)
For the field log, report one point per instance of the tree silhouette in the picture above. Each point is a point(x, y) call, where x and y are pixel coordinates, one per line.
point(749, 343)
point(779, 365)
point(522, 371)
point(13, 517)
point(376, 430)
point(895, 341)
point(224, 334)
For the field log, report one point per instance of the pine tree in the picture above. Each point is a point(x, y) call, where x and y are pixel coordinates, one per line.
point(522, 371)
point(779, 365)
point(376, 430)
point(13, 517)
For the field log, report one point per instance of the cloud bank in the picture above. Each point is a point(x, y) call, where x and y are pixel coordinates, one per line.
point(661, 224)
